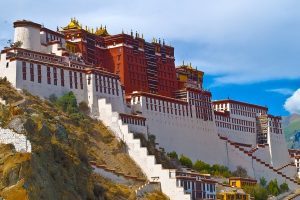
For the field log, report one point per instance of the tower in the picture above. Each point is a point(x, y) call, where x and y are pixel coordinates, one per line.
point(28, 33)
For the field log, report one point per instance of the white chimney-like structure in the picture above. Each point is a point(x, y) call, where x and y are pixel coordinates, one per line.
point(29, 34)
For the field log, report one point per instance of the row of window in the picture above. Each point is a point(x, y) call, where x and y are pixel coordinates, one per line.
point(235, 127)
point(40, 57)
point(275, 124)
point(247, 108)
point(224, 106)
point(106, 84)
point(199, 96)
point(129, 120)
point(276, 130)
point(204, 113)
point(243, 113)
point(52, 74)
point(168, 108)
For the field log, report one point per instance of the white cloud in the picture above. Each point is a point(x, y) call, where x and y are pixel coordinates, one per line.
point(283, 91)
point(292, 104)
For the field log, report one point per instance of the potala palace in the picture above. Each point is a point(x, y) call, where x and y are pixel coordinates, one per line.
point(133, 86)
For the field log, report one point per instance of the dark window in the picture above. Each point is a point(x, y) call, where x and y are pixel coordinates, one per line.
point(71, 80)
point(62, 77)
point(81, 81)
point(96, 82)
point(75, 79)
point(48, 75)
point(39, 73)
point(55, 75)
point(24, 70)
point(100, 83)
point(31, 72)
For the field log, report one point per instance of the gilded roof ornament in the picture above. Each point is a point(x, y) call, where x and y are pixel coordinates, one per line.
point(102, 31)
point(74, 24)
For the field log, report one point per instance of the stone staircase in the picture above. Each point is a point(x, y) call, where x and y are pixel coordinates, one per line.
point(115, 172)
point(140, 154)
point(148, 187)
point(278, 174)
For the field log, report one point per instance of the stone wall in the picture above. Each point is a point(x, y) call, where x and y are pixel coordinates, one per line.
point(20, 142)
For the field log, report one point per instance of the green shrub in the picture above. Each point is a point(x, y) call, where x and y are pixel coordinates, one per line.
point(273, 188)
point(263, 182)
point(173, 155)
point(284, 187)
point(202, 167)
point(68, 103)
point(186, 161)
point(258, 192)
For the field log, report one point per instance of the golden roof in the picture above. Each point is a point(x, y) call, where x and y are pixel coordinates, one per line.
point(101, 31)
point(73, 25)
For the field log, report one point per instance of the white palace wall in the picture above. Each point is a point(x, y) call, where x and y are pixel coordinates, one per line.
point(44, 89)
point(263, 153)
point(193, 137)
point(140, 154)
point(278, 150)
point(110, 88)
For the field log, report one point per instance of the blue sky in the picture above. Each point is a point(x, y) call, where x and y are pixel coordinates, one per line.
point(248, 49)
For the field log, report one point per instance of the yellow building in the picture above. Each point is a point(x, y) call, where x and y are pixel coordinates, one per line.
point(189, 77)
point(233, 195)
point(242, 182)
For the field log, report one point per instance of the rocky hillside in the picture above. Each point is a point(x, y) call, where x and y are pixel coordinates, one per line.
point(291, 125)
point(63, 145)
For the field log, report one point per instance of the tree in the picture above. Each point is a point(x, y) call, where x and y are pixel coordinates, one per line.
point(186, 161)
point(173, 155)
point(201, 166)
point(16, 44)
point(284, 187)
point(258, 192)
point(68, 103)
point(240, 172)
point(273, 188)
point(262, 181)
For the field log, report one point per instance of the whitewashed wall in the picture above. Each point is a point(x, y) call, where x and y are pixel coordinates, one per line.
point(278, 148)
point(263, 153)
point(29, 36)
point(139, 154)
point(193, 137)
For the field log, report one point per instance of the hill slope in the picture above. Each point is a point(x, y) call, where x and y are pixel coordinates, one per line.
point(62, 146)
point(291, 125)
